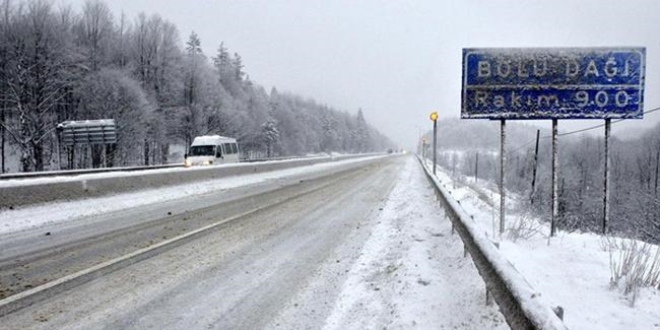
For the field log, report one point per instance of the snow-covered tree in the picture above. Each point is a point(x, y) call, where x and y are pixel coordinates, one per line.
point(62, 65)
point(39, 70)
point(270, 135)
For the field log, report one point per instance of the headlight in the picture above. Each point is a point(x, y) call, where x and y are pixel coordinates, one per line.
point(206, 162)
point(187, 163)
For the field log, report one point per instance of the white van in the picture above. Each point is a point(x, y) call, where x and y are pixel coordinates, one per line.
point(212, 149)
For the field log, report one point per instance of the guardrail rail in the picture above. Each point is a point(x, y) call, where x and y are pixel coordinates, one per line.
point(25, 191)
point(520, 304)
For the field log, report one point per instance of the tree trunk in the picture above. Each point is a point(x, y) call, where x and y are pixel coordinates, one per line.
point(2, 136)
point(164, 154)
point(657, 167)
point(38, 156)
point(25, 161)
point(110, 155)
point(97, 155)
point(71, 157)
point(146, 152)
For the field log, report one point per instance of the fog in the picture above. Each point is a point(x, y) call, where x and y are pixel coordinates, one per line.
point(399, 61)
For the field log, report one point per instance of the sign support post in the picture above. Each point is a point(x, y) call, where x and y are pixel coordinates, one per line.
point(502, 161)
point(555, 174)
point(606, 195)
point(434, 118)
point(435, 143)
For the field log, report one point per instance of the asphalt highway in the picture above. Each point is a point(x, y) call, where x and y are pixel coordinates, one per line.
point(236, 276)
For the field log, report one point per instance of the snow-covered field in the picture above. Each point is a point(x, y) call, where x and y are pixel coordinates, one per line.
point(571, 270)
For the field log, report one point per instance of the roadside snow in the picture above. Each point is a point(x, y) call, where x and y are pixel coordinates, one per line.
point(27, 181)
point(411, 271)
point(572, 271)
point(35, 216)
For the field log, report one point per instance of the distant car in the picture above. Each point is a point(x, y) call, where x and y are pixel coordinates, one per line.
point(389, 151)
point(212, 149)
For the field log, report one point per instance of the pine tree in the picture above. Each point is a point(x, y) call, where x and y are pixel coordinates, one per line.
point(237, 64)
point(362, 133)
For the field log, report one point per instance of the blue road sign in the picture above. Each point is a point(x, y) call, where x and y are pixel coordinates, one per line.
point(546, 83)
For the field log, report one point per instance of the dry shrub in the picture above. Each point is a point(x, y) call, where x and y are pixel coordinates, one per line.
point(524, 227)
point(633, 264)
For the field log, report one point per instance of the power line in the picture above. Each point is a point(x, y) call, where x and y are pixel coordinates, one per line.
point(523, 145)
point(578, 131)
point(601, 125)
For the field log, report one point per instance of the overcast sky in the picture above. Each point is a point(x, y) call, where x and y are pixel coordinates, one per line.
point(400, 60)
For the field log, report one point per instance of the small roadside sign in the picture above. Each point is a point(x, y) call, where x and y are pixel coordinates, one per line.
point(101, 131)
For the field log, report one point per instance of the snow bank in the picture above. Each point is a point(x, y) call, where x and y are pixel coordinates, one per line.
point(521, 305)
point(571, 270)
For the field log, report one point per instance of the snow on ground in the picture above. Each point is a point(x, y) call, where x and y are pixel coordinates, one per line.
point(411, 272)
point(35, 216)
point(572, 271)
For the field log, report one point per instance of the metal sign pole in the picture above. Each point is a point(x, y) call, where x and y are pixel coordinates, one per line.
point(502, 161)
point(435, 142)
point(606, 196)
point(555, 162)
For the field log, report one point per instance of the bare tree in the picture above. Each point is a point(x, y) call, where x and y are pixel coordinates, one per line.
point(39, 70)
point(94, 32)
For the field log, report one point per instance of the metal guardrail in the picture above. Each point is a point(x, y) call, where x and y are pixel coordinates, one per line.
point(31, 175)
point(256, 160)
point(517, 300)
point(30, 191)
point(44, 174)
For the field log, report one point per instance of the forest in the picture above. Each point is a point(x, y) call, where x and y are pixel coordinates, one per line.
point(58, 64)
point(469, 149)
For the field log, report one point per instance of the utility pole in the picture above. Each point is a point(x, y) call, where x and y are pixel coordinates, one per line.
point(536, 160)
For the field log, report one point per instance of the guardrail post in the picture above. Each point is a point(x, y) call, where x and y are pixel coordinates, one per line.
point(489, 299)
point(559, 311)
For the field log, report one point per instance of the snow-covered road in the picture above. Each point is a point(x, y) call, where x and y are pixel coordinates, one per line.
point(368, 252)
